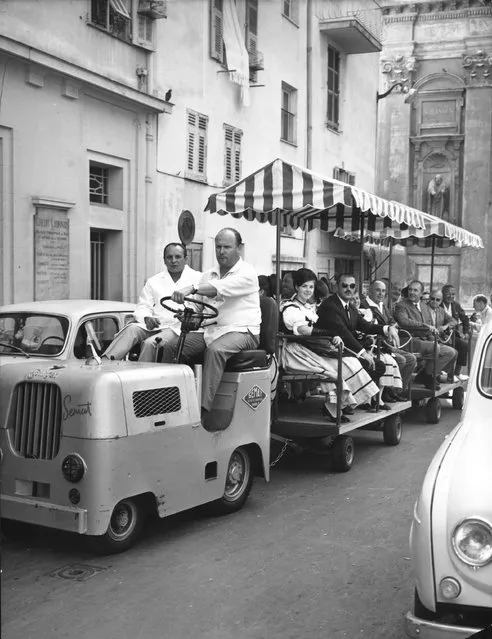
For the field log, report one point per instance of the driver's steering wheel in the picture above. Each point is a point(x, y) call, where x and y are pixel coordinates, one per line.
point(191, 312)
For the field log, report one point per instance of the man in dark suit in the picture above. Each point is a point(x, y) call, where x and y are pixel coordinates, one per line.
point(415, 317)
point(337, 317)
point(375, 301)
point(453, 308)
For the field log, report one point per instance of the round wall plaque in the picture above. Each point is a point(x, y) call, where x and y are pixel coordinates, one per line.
point(186, 227)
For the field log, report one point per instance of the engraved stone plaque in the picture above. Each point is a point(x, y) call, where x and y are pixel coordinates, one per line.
point(442, 112)
point(51, 255)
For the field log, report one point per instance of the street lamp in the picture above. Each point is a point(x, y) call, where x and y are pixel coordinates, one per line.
point(401, 83)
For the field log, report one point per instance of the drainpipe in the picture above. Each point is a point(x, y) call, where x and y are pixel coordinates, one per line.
point(309, 104)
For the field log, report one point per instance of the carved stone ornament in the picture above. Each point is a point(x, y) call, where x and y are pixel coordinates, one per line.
point(400, 69)
point(479, 65)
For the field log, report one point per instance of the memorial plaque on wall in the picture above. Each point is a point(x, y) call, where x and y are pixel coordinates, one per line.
point(51, 255)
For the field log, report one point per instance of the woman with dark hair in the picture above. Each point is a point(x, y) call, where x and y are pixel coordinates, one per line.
point(316, 353)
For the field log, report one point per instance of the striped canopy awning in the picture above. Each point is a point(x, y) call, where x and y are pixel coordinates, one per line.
point(293, 196)
point(289, 195)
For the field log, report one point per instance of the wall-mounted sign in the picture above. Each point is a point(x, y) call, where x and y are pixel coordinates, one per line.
point(51, 255)
point(186, 227)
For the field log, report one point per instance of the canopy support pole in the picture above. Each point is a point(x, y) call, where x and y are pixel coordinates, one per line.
point(390, 269)
point(361, 270)
point(433, 254)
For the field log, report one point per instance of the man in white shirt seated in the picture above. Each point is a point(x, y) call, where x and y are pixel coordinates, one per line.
point(232, 287)
point(155, 325)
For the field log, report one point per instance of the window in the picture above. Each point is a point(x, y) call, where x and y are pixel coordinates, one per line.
point(333, 88)
point(485, 376)
point(288, 114)
point(217, 51)
point(144, 30)
point(290, 9)
point(105, 185)
point(251, 39)
point(232, 154)
point(343, 176)
point(106, 262)
point(115, 16)
point(196, 152)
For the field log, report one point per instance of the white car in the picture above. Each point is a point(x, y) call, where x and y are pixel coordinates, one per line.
point(59, 328)
point(451, 534)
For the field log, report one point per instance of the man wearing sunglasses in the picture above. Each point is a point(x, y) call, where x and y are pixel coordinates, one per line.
point(415, 316)
point(460, 343)
point(444, 323)
point(336, 317)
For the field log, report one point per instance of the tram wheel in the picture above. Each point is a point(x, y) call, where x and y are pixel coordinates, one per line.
point(458, 398)
point(343, 453)
point(433, 410)
point(392, 430)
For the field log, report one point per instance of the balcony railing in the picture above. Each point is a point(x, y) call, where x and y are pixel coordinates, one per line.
point(355, 25)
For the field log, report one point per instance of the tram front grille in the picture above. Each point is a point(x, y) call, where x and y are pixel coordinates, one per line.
point(36, 420)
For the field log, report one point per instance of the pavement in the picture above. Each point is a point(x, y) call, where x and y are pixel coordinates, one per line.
point(313, 554)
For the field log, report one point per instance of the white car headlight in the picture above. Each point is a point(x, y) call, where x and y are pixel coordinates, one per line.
point(472, 541)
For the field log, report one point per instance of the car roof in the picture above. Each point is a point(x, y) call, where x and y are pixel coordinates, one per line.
point(70, 308)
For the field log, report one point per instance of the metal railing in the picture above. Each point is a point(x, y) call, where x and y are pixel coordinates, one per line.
point(367, 12)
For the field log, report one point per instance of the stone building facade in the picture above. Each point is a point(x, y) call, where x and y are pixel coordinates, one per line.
point(435, 130)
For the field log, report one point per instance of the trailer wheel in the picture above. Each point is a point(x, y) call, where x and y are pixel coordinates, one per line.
point(343, 452)
point(433, 410)
point(124, 528)
point(392, 430)
point(458, 398)
point(239, 479)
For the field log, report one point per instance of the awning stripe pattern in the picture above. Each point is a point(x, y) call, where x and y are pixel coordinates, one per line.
point(302, 199)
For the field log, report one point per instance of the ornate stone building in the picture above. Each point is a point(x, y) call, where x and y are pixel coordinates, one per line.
point(435, 129)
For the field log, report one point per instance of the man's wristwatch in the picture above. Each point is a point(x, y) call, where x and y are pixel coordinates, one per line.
point(194, 290)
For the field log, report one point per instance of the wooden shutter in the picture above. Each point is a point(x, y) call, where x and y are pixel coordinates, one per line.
point(228, 153)
point(190, 163)
point(196, 150)
point(202, 145)
point(216, 26)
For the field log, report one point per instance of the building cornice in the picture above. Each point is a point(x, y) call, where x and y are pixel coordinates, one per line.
point(35, 56)
point(432, 11)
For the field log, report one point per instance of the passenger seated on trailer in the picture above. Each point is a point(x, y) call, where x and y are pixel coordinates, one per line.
point(444, 323)
point(391, 379)
point(338, 318)
point(407, 362)
point(318, 354)
point(460, 333)
point(154, 324)
point(233, 289)
point(414, 316)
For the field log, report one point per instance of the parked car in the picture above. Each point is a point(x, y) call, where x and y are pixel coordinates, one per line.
point(59, 328)
point(451, 534)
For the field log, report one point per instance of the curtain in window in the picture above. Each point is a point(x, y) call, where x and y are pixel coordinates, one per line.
point(237, 55)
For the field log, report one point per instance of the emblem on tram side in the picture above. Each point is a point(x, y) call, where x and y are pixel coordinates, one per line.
point(254, 397)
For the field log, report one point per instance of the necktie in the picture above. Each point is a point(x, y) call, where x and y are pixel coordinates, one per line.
point(347, 311)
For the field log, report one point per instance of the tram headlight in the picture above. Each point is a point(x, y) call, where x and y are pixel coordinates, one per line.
point(73, 468)
point(472, 541)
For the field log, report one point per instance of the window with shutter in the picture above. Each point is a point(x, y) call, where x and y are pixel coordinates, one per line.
point(196, 152)
point(333, 88)
point(216, 26)
point(232, 154)
point(251, 36)
point(288, 114)
point(290, 9)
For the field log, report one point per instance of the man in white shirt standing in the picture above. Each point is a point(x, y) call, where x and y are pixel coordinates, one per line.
point(154, 321)
point(232, 287)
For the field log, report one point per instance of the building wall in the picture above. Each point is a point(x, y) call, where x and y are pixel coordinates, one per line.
point(200, 83)
point(71, 104)
point(443, 126)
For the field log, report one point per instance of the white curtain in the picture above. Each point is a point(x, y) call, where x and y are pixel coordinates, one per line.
point(237, 54)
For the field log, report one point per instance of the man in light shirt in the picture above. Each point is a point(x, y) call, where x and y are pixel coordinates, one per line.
point(414, 316)
point(155, 325)
point(232, 287)
point(406, 361)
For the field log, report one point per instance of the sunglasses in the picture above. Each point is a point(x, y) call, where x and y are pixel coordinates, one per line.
point(343, 285)
point(435, 299)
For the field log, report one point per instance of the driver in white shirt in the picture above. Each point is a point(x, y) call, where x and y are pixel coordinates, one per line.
point(233, 289)
point(155, 325)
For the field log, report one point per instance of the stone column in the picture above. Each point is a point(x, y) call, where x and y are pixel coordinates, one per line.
point(476, 265)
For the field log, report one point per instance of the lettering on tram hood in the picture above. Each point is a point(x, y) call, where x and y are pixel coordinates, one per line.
point(45, 373)
point(71, 409)
point(254, 397)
